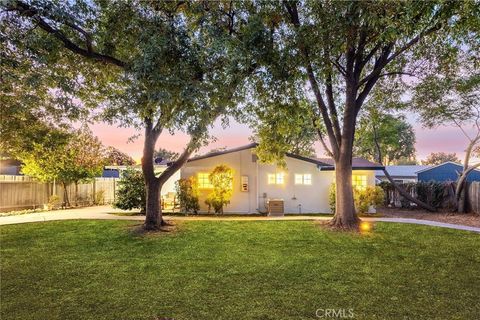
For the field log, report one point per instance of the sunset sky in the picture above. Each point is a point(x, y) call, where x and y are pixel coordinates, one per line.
point(446, 139)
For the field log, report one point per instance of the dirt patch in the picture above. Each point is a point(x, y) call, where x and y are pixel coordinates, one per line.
point(138, 230)
point(466, 219)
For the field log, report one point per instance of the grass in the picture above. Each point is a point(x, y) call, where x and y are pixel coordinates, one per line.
point(236, 270)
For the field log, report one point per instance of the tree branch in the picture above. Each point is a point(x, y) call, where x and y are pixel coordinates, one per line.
point(28, 11)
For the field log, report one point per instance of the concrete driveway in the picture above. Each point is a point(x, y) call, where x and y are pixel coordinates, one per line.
point(108, 213)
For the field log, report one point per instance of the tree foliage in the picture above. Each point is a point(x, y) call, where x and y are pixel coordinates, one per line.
point(187, 193)
point(436, 158)
point(130, 193)
point(165, 154)
point(287, 130)
point(394, 135)
point(221, 179)
point(115, 157)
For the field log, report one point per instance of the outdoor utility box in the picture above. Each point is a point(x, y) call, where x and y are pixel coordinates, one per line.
point(275, 207)
point(244, 184)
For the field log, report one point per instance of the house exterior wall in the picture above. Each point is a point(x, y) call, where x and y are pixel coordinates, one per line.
point(446, 172)
point(298, 198)
point(242, 164)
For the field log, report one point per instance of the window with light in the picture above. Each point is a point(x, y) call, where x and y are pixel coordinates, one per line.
point(298, 178)
point(307, 179)
point(359, 182)
point(276, 178)
point(204, 181)
point(303, 179)
point(271, 178)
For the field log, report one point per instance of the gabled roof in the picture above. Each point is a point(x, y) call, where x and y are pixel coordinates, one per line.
point(322, 163)
point(402, 171)
point(219, 153)
point(442, 164)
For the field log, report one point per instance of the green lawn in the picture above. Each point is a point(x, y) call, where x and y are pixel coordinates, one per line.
point(236, 270)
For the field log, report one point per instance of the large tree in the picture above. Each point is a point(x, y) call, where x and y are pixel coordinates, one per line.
point(342, 49)
point(65, 157)
point(393, 134)
point(115, 157)
point(450, 95)
point(155, 66)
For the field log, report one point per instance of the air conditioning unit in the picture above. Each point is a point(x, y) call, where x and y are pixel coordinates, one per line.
point(275, 207)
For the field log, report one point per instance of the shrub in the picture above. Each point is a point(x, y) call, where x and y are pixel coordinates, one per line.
point(131, 191)
point(99, 197)
point(332, 197)
point(221, 179)
point(363, 199)
point(371, 196)
point(187, 193)
point(53, 202)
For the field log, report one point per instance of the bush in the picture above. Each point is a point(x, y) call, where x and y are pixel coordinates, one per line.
point(221, 179)
point(187, 193)
point(363, 199)
point(131, 191)
point(53, 202)
point(99, 197)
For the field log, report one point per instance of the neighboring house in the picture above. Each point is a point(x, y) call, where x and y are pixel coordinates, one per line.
point(448, 171)
point(10, 167)
point(400, 174)
point(303, 186)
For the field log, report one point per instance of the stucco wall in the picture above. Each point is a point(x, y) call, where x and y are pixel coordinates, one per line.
point(241, 163)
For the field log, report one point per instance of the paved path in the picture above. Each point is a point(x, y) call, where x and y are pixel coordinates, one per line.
point(105, 213)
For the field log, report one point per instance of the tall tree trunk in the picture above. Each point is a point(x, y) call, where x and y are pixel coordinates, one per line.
point(153, 184)
point(65, 195)
point(153, 214)
point(76, 193)
point(345, 216)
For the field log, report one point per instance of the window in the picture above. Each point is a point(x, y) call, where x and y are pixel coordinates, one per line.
point(303, 179)
point(359, 182)
point(204, 181)
point(280, 178)
point(298, 179)
point(271, 178)
point(307, 179)
point(276, 178)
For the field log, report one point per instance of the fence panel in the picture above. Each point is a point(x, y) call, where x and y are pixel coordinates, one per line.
point(20, 192)
point(473, 196)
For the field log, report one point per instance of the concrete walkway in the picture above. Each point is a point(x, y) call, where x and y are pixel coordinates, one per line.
point(105, 213)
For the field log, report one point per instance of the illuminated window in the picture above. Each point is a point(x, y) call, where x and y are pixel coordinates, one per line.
point(298, 179)
point(204, 181)
point(303, 179)
point(275, 178)
point(359, 182)
point(279, 178)
point(307, 179)
point(271, 178)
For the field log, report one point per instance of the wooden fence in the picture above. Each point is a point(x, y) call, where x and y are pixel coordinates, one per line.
point(19, 192)
point(438, 195)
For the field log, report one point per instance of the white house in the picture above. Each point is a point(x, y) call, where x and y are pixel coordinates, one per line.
point(303, 186)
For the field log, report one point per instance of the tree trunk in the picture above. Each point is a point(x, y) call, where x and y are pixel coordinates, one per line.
point(76, 193)
point(65, 195)
point(153, 214)
point(345, 216)
point(461, 204)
